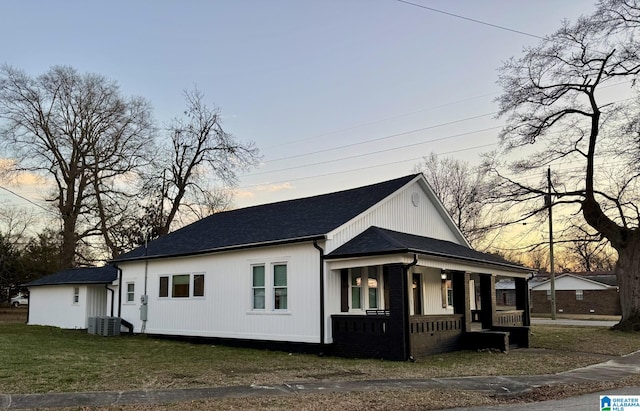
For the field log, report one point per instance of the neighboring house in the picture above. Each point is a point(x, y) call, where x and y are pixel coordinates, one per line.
point(505, 292)
point(578, 293)
point(68, 298)
point(376, 271)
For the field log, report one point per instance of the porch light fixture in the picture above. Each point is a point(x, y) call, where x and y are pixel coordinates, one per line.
point(443, 275)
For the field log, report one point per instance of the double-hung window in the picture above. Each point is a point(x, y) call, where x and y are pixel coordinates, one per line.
point(280, 287)
point(364, 284)
point(258, 287)
point(269, 287)
point(579, 295)
point(76, 295)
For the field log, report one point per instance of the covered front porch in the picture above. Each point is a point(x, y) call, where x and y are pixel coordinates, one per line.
point(403, 322)
point(413, 303)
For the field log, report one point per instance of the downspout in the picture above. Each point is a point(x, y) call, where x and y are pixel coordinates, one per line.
point(113, 293)
point(119, 290)
point(405, 284)
point(322, 320)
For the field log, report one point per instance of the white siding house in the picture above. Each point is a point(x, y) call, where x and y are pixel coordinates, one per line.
point(294, 271)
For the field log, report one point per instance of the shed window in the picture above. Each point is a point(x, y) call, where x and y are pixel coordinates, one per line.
point(76, 295)
point(579, 295)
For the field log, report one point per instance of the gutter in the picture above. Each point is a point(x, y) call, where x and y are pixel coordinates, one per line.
point(322, 319)
point(119, 289)
point(223, 249)
point(113, 293)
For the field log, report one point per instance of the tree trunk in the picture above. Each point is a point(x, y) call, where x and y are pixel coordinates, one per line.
point(69, 243)
point(628, 275)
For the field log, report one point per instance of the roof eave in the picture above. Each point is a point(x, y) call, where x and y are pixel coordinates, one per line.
point(223, 249)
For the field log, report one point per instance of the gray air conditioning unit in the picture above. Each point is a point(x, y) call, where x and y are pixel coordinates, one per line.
point(105, 326)
point(92, 326)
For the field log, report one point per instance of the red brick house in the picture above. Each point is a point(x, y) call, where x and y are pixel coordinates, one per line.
point(578, 293)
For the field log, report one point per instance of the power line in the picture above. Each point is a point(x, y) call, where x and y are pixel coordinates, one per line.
point(362, 168)
point(382, 120)
point(470, 19)
point(381, 138)
point(375, 152)
point(26, 199)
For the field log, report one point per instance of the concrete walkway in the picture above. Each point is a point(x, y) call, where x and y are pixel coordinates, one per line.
point(611, 370)
point(582, 323)
point(581, 402)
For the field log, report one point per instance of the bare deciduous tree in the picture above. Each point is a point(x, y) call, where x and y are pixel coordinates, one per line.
point(463, 190)
point(200, 154)
point(78, 131)
point(559, 112)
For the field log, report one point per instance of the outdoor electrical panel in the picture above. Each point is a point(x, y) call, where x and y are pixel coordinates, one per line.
point(143, 312)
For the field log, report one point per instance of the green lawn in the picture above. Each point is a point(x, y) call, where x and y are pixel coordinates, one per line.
point(44, 359)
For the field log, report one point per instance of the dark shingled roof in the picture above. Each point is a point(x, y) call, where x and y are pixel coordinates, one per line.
point(89, 275)
point(281, 222)
point(376, 240)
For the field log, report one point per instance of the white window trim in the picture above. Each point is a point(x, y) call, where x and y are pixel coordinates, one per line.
point(76, 296)
point(191, 296)
point(253, 288)
point(269, 288)
point(364, 289)
point(126, 297)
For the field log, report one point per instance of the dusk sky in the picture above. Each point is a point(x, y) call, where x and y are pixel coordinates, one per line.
point(335, 94)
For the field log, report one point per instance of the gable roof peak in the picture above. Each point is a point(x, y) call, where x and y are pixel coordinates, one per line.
point(284, 221)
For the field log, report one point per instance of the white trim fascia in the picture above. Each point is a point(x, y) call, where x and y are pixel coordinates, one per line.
point(588, 280)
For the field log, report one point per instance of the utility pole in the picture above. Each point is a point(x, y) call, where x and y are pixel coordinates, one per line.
point(549, 203)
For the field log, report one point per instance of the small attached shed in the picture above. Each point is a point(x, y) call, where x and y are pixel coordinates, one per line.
point(68, 298)
point(578, 293)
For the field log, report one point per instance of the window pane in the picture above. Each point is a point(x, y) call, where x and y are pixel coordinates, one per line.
point(198, 285)
point(180, 286)
point(356, 277)
point(280, 302)
point(130, 287)
point(164, 287)
point(355, 297)
point(258, 276)
point(372, 283)
point(258, 298)
point(373, 298)
point(280, 275)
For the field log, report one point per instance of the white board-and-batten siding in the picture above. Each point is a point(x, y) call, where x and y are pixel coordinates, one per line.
point(54, 305)
point(408, 210)
point(226, 311)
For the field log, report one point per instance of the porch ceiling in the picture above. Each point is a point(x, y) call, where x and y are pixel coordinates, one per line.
point(377, 246)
